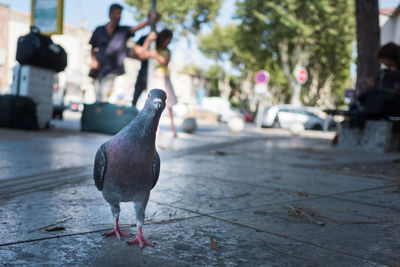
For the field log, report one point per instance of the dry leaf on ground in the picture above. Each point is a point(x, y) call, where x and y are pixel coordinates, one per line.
point(214, 245)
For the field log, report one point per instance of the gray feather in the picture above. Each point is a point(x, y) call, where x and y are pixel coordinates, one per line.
point(156, 169)
point(100, 165)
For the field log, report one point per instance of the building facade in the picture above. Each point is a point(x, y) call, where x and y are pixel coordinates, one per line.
point(390, 25)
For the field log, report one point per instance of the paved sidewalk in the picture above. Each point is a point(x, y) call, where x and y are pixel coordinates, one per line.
point(258, 198)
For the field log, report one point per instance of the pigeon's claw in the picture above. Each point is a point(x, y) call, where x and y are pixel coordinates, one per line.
point(141, 242)
point(117, 231)
point(140, 239)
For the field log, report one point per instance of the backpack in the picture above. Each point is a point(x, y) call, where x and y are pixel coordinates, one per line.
point(39, 50)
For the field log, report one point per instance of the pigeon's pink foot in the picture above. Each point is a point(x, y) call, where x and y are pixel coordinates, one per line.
point(117, 231)
point(140, 239)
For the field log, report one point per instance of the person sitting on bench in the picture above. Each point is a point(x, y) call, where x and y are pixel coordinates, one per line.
point(379, 97)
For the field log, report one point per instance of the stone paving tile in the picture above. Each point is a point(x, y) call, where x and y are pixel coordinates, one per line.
point(304, 150)
point(388, 197)
point(77, 208)
point(383, 169)
point(32, 152)
point(25, 153)
point(348, 228)
point(209, 194)
point(182, 243)
point(244, 170)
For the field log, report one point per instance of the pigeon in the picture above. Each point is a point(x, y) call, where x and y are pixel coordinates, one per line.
point(127, 166)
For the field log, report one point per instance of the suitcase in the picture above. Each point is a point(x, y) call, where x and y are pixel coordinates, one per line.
point(36, 83)
point(18, 112)
point(39, 50)
point(102, 117)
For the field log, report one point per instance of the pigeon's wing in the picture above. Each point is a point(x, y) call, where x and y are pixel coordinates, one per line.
point(100, 165)
point(156, 169)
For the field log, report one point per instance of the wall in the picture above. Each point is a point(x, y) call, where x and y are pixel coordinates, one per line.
point(390, 29)
point(4, 18)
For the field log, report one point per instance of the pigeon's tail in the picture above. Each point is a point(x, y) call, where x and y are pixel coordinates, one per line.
point(100, 164)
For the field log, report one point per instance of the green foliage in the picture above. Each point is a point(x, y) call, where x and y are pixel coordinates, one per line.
point(192, 69)
point(187, 14)
point(219, 44)
point(324, 29)
point(236, 98)
point(214, 74)
point(332, 51)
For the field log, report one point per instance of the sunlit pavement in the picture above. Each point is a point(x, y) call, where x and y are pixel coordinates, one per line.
point(260, 197)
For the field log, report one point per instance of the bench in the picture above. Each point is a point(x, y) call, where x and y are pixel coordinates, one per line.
point(377, 135)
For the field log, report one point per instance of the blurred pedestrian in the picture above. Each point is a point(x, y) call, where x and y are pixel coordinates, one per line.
point(109, 49)
point(162, 56)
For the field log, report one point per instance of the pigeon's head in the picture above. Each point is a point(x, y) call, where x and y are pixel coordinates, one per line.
point(156, 99)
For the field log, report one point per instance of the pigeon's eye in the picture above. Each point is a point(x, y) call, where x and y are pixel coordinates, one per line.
point(148, 96)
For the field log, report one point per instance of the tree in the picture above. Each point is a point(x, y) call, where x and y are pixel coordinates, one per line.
point(316, 34)
point(219, 46)
point(368, 38)
point(215, 75)
point(277, 35)
point(187, 16)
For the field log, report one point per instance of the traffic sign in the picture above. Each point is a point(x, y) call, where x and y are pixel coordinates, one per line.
point(262, 76)
point(261, 88)
point(301, 75)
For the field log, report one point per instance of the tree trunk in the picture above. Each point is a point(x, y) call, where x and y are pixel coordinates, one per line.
point(325, 94)
point(298, 57)
point(226, 88)
point(368, 38)
point(312, 93)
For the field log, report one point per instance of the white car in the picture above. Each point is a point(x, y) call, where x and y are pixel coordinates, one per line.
point(285, 116)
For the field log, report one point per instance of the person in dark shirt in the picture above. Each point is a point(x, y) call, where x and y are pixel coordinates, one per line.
point(109, 50)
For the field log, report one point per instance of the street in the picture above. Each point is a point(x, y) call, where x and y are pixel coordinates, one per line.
point(257, 198)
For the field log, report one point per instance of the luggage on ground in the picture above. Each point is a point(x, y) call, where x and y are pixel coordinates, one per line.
point(18, 112)
point(103, 117)
point(39, 50)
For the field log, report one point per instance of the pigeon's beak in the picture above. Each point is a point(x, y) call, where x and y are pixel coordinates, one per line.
point(157, 103)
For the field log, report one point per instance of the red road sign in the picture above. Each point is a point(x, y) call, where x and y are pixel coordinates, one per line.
point(301, 75)
point(262, 76)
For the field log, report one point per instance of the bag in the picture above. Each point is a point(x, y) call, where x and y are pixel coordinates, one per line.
point(18, 112)
point(94, 73)
point(39, 50)
point(102, 117)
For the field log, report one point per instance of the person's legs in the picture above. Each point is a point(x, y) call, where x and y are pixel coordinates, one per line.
point(97, 91)
point(171, 116)
point(106, 85)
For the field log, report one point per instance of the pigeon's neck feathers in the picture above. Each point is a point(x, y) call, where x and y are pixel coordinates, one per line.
point(144, 126)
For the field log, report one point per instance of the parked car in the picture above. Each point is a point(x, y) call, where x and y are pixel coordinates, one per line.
point(285, 116)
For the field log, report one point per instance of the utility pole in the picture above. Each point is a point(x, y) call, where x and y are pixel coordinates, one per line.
point(151, 64)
